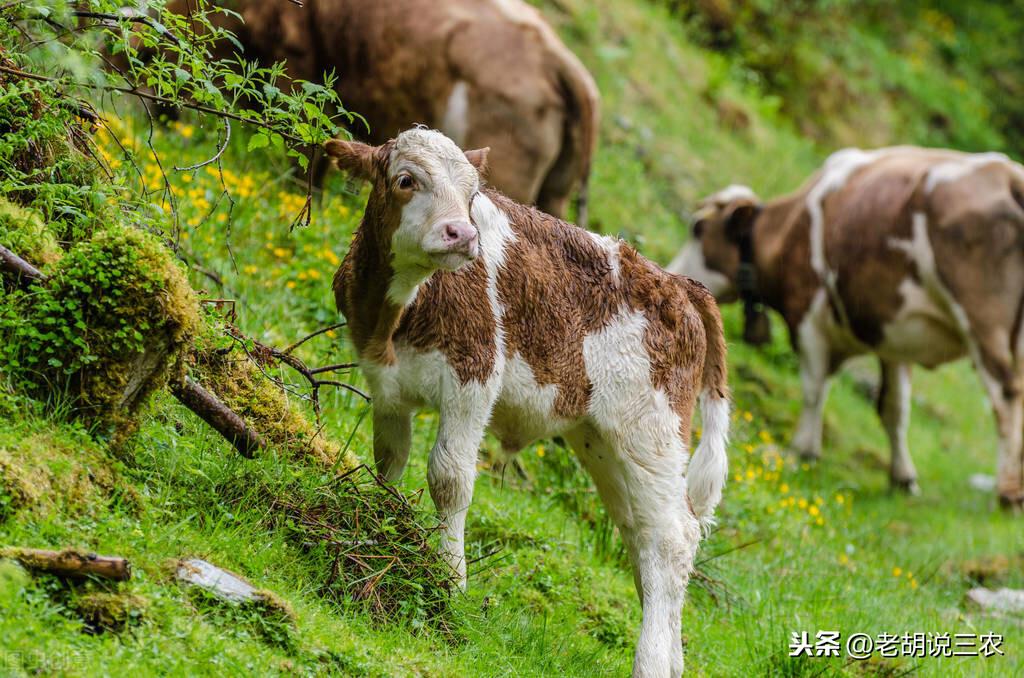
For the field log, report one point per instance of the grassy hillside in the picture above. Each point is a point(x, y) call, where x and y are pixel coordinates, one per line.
point(799, 548)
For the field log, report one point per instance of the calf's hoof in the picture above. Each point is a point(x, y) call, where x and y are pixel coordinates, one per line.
point(907, 486)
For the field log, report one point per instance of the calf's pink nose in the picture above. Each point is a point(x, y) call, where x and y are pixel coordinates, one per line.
point(459, 236)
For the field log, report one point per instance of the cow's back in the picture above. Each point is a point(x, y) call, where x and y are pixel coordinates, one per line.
point(399, 60)
point(890, 278)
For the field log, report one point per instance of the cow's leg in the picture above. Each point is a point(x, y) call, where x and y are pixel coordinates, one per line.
point(814, 382)
point(640, 480)
point(1003, 385)
point(894, 410)
point(392, 436)
point(451, 469)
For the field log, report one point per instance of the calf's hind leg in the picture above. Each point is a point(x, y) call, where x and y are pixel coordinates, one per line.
point(644, 490)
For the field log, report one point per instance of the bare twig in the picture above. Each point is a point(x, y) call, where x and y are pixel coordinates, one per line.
point(216, 157)
point(130, 15)
point(18, 267)
point(264, 353)
point(306, 338)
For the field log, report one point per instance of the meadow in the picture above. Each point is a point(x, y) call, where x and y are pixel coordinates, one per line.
point(798, 547)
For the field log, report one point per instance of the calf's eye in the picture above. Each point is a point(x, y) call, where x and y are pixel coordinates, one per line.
point(406, 182)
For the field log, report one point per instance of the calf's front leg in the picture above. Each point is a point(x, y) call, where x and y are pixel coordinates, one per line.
point(392, 436)
point(451, 471)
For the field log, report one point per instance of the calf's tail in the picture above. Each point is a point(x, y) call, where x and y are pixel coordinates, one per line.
point(709, 465)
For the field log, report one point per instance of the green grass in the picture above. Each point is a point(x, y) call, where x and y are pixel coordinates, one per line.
point(549, 592)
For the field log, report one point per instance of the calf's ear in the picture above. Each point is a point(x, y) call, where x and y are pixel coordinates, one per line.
point(353, 157)
point(478, 159)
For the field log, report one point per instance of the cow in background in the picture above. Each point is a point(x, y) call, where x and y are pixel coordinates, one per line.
point(485, 72)
point(913, 254)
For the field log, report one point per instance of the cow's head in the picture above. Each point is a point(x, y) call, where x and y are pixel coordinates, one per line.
point(722, 229)
point(418, 211)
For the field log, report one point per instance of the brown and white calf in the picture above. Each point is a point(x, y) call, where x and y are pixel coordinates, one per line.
point(913, 254)
point(509, 320)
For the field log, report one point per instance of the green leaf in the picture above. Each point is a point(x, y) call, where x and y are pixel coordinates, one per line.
point(258, 140)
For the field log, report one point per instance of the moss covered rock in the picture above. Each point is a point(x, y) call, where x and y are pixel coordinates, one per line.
point(47, 470)
point(105, 329)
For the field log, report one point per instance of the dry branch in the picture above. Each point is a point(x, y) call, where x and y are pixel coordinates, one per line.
point(262, 354)
point(219, 416)
point(71, 563)
point(18, 267)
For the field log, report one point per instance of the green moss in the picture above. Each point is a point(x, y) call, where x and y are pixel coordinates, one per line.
point(23, 232)
point(43, 161)
point(47, 470)
point(107, 327)
point(110, 611)
point(263, 404)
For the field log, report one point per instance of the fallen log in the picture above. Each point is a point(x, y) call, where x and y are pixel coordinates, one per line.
point(71, 563)
point(193, 396)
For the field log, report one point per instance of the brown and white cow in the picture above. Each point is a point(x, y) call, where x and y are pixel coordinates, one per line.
point(913, 254)
point(509, 320)
point(485, 72)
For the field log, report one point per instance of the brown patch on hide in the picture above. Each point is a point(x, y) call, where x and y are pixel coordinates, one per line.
point(556, 288)
point(451, 314)
point(674, 336)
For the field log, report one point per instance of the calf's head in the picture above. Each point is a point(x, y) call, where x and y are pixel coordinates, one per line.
point(720, 254)
point(418, 214)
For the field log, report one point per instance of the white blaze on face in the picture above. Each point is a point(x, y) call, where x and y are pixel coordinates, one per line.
point(730, 193)
point(444, 184)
